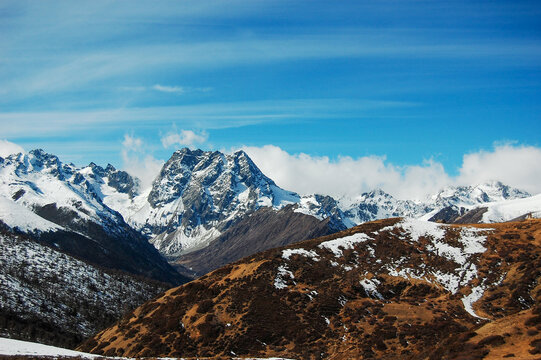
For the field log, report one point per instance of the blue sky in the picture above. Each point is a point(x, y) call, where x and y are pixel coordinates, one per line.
point(408, 81)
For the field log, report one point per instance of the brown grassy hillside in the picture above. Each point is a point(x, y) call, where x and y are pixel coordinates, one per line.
point(387, 289)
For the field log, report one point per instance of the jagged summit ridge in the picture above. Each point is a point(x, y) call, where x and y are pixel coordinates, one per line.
point(490, 191)
point(198, 195)
point(62, 205)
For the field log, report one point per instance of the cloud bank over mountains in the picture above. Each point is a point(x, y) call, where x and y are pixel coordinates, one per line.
point(7, 148)
point(518, 166)
point(515, 165)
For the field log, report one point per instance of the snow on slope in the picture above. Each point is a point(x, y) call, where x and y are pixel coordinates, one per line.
point(17, 216)
point(450, 260)
point(37, 282)
point(507, 210)
point(25, 348)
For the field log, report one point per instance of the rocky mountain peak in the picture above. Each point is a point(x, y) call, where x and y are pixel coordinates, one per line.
point(375, 194)
point(477, 194)
point(96, 169)
point(110, 168)
point(201, 193)
point(39, 161)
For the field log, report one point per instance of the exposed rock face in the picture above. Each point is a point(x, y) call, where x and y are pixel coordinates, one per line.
point(392, 289)
point(456, 215)
point(262, 230)
point(200, 194)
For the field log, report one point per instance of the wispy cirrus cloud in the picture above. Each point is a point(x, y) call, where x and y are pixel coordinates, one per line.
point(169, 89)
point(200, 116)
point(60, 73)
point(176, 89)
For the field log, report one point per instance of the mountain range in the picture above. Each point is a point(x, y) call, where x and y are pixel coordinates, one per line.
point(196, 202)
point(204, 210)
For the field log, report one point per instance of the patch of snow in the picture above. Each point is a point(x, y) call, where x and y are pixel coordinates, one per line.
point(371, 288)
point(471, 241)
point(280, 280)
point(336, 246)
point(476, 294)
point(418, 229)
point(286, 254)
point(25, 348)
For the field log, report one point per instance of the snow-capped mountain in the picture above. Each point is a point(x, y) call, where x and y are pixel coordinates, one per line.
point(37, 179)
point(198, 195)
point(469, 204)
point(378, 204)
point(491, 191)
point(62, 205)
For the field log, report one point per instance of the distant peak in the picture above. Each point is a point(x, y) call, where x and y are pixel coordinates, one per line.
point(240, 153)
point(184, 150)
point(376, 192)
point(40, 154)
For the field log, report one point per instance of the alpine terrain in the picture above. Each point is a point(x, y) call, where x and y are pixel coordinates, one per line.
point(62, 205)
point(69, 265)
point(49, 296)
point(197, 202)
point(197, 211)
point(395, 288)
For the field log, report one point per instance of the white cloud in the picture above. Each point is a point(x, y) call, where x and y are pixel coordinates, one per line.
point(8, 148)
point(139, 163)
point(346, 176)
point(169, 89)
point(517, 166)
point(132, 143)
point(184, 138)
